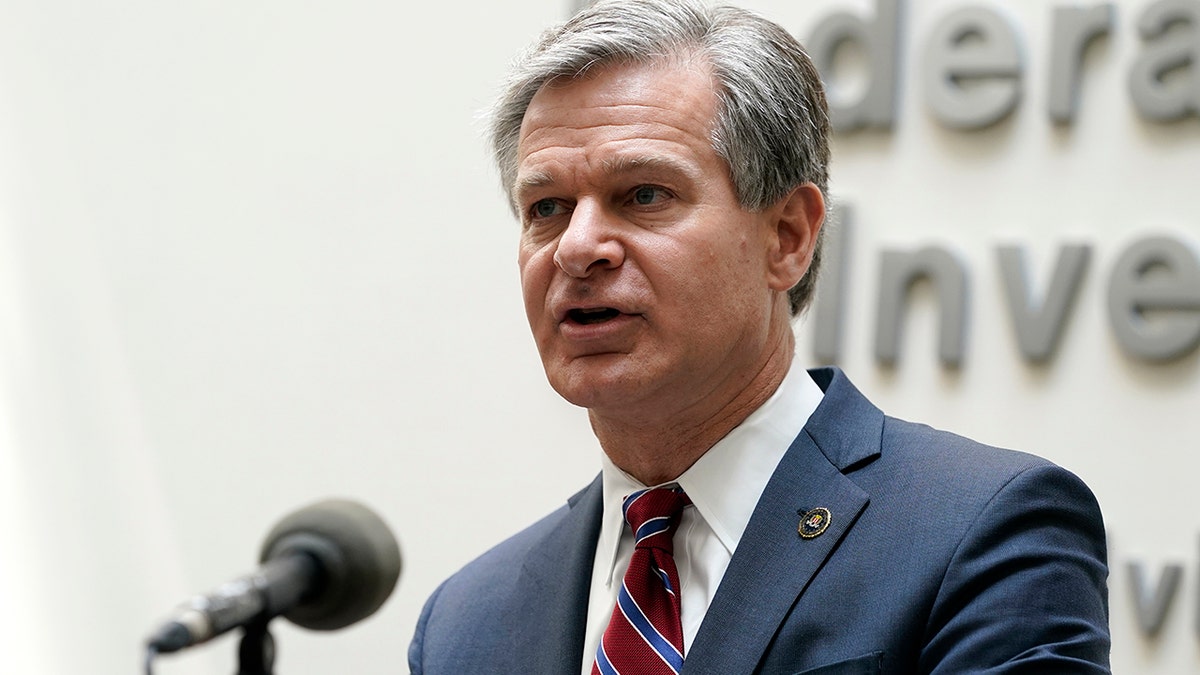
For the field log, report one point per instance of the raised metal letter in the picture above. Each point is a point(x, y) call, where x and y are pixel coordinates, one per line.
point(972, 68)
point(876, 108)
point(1158, 91)
point(899, 270)
point(1039, 325)
point(1152, 610)
point(1074, 29)
point(1154, 299)
point(829, 314)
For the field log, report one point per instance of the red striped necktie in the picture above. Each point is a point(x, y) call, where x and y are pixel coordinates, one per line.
point(644, 635)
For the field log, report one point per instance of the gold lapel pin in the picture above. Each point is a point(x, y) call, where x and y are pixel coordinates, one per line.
point(814, 522)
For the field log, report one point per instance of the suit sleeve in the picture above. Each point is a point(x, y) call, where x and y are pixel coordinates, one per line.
point(416, 648)
point(1026, 590)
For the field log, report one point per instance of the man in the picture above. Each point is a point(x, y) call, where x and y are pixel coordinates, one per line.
point(668, 164)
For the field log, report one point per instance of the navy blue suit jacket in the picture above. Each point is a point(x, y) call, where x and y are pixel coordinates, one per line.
point(942, 556)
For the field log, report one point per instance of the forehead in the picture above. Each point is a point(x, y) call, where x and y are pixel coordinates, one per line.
point(617, 82)
point(663, 106)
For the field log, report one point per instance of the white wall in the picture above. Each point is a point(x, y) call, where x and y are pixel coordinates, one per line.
point(252, 254)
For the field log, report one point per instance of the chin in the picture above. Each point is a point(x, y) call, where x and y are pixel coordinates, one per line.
point(597, 388)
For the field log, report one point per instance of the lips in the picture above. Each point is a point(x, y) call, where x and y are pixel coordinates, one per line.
point(592, 315)
point(596, 320)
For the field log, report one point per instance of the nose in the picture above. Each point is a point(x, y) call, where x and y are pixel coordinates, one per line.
point(591, 242)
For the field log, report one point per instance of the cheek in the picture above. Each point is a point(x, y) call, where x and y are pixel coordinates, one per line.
point(725, 277)
point(536, 270)
point(733, 261)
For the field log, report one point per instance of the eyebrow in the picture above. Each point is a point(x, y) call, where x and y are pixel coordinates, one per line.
point(540, 179)
point(532, 181)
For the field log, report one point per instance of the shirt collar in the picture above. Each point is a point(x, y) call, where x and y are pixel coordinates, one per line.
point(727, 481)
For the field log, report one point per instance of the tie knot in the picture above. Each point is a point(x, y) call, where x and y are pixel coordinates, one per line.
point(654, 514)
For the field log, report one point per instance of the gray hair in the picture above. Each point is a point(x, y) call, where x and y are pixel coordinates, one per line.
point(772, 124)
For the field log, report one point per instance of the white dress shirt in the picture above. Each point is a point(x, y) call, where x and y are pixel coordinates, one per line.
point(724, 486)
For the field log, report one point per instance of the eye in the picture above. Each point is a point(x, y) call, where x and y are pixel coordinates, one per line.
point(647, 195)
point(545, 208)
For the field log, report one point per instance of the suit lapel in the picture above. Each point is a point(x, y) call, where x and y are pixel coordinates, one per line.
point(552, 590)
point(773, 564)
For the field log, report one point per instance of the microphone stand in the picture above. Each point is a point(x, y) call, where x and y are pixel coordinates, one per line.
point(256, 652)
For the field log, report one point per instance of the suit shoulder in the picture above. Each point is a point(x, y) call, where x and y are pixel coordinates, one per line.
point(498, 568)
point(947, 452)
point(854, 434)
point(507, 557)
point(505, 589)
point(936, 471)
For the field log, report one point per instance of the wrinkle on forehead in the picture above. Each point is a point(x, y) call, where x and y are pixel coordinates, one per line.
point(646, 73)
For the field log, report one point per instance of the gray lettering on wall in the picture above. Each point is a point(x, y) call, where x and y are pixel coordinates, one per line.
point(973, 68)
point(828, 322)
point(1164, 81)
point(879, 39)
point(1154, 299)
point(1152, 606)
point(1074, 28)
point(899, 271)
point(1154, 590)
point(1039, 323)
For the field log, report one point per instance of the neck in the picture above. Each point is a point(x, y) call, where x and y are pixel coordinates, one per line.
point(657, 448)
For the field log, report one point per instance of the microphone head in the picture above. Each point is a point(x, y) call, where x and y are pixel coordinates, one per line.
point(356, 554)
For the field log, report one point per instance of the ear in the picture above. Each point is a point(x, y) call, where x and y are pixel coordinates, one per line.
point(796, 221)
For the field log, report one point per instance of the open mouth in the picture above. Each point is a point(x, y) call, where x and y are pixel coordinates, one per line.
point(592, 315)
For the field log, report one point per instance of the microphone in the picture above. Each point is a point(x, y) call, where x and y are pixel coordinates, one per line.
point(324, 567)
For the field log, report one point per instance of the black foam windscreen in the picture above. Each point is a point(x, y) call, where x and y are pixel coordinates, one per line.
point(357, 560)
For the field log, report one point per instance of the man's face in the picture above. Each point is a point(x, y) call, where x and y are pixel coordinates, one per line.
point(645, 281)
